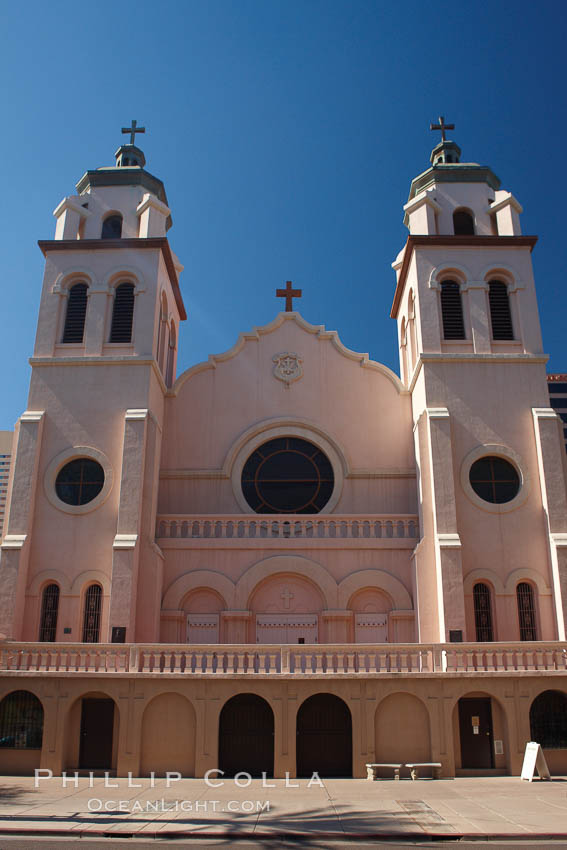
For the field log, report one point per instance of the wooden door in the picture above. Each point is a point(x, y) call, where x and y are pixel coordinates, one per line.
point(371, 628)
point(475, 725)
point(286, 628)
point(324, 737)
point(246, 736)
point(202, 628)
point(97, 728)
point(302, 628)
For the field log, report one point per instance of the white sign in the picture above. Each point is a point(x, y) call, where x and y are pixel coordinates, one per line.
point(534, 759)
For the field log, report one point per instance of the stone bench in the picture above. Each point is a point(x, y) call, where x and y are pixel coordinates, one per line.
point(415, 767)
point(372, 770)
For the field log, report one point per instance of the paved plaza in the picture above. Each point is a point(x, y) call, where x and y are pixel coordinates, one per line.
point(336, 809)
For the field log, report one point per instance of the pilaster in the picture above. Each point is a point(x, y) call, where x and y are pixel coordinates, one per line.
point(554, 498)
point(448, 566)
point(19, 522)
point(126, 547)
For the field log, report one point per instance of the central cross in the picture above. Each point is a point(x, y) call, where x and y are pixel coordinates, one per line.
point(133, 130)
point(286, 595)
point(442, 126)
point(289, 293)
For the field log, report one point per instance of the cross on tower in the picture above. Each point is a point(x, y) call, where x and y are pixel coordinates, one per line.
point(442, 126)
point(286, 595)
point(289, 294)
point(133, 130)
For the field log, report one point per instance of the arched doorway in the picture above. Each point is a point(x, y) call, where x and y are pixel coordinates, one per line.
point(324, 737)
point(246, 736)
point(91, 733)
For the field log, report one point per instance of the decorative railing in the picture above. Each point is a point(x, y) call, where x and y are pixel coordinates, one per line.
point(326, 527)
point(289, 660)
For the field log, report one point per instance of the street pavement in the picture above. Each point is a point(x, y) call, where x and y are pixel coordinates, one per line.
point(308, 815)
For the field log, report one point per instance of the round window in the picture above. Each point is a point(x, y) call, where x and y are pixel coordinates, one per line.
point(287, 475)
point(494, 479)
point(79, 481)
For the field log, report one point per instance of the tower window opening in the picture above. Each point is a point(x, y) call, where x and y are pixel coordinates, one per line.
point(500, 313)
point(463, 223)
point(122, 313)
point(452, 310)
point(76, 313)
point(112, 227)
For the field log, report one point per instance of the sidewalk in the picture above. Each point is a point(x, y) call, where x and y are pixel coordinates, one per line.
point(338, 808)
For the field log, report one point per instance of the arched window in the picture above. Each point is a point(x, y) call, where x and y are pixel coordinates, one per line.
point(463, 223)
point(482, 612)
point(404, 350)
point(412, 331)
point(526, 611)
point(548, 720)
point(170, 356)
point(112, 227)
point(452, 310)
point(49, 610)
point(21, 721)
point(500, 313)
point(162, 328)
point(122, 313)
point(91, 618)
point(76, 312)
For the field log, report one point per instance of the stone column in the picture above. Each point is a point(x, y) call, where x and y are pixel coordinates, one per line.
point(236, 625)
point(338, 626)
point(479, 315)
point(95, 320)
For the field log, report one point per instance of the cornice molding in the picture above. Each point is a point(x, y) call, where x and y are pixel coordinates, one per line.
point(152, 243)
point(453, 242)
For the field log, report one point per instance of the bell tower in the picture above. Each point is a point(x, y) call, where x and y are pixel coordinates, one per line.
point(87, 448)
point(487, 443)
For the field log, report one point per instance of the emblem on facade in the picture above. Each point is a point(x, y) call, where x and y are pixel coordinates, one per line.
point(288, 367)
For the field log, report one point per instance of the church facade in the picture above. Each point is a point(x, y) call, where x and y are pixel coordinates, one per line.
point(287, 558)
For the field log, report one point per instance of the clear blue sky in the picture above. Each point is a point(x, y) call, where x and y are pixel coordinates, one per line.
point(287, 133)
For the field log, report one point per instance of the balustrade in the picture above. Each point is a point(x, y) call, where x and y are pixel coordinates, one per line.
point(285, 526)
point(289, 660)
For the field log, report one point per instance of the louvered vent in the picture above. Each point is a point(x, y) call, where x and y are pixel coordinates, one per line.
point(452, 310)
point(76, 312)
point(500, 315)
point(123, 313)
